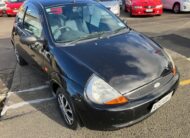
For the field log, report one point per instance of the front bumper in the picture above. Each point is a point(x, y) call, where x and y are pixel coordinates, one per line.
point(144, 11)
point(123, 115)
point(185, 7)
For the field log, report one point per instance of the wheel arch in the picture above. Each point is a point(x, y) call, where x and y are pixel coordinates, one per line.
point(177, 2)
point(55, 83)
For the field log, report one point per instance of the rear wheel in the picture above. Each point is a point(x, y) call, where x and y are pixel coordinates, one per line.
point(19, 59)
point(67, 109)
point(176, 8)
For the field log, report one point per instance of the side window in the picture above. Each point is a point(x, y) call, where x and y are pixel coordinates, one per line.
point(32, 22)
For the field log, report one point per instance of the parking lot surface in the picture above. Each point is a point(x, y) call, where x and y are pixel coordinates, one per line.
point(31, 109)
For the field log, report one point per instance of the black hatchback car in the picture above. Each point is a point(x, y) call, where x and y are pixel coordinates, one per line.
point(105, 75)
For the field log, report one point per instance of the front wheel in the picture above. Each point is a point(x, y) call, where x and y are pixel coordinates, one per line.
point(176, 8)
point(67, 109)
point(19, 59)
point(131, 13)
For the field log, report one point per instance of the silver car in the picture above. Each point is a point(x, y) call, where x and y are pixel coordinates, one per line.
point(112, 5)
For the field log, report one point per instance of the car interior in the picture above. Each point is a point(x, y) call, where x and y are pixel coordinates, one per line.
point(73, 22)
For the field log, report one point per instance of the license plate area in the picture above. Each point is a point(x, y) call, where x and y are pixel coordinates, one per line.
point(161, 102)
point(149, 10)
point(15, 11)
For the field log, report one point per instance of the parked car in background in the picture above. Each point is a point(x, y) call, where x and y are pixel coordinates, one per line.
point(105, 74)
point(120, 3)
point(12, 7)
point(2, 7)
point(177, 5)
point(112, 5)
point(143, 7)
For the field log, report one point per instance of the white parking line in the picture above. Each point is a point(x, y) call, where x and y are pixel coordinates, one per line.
point(28, 90)
point(17, 105)
point(33, 89)
point(21, 104)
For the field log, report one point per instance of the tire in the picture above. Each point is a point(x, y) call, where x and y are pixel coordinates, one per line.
point(65, 103)
point(131, 14)
point(176, 8)
point(124, 8)
point(19, 59)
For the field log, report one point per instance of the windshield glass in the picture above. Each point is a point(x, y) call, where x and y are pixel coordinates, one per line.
point(81, 21)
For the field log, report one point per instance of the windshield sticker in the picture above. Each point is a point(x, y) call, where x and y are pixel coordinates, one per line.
point(57, 10)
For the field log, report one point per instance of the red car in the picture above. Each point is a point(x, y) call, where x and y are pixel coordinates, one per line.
point(1, 12)
point(12, 7)
point(144, 7)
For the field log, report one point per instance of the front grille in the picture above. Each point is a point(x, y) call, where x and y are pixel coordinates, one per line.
point(149, 88)
point(149, 7)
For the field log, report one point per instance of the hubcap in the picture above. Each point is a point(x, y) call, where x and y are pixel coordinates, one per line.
point(65, 108)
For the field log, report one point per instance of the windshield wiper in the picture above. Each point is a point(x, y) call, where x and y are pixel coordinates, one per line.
point(90, 36)
point(119, 30)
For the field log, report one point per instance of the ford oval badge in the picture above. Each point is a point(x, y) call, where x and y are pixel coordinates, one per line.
point(156, 85)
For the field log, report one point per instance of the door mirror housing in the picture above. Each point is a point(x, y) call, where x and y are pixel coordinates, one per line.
point(28, 40)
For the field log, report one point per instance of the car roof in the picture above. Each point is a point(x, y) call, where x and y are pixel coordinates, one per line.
point(47, 3)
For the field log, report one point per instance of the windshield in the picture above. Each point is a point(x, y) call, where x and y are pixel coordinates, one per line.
point(81, 21)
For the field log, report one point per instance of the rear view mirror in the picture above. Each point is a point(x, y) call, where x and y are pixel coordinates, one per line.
point(28, 40)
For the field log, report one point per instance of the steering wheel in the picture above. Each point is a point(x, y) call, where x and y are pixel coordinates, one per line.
point(65, 28)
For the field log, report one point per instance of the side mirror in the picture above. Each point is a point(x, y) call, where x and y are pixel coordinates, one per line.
point(28, 40)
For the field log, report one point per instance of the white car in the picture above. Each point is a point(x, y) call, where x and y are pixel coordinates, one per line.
point(177, 5)
point(112, 5)
point(2, 4)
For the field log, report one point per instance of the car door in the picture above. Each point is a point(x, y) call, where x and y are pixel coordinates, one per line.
point(32, 26)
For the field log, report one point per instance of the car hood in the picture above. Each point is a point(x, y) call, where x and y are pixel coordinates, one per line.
point(126, 61)
point(109, 4)
point(146, 2)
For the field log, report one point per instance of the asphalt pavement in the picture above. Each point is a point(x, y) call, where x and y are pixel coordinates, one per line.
point(31, 109)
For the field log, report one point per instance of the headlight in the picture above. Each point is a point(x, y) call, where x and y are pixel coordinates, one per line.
point(99, 92)
point(159, 6)
point(171, 61)
point(137, 7)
